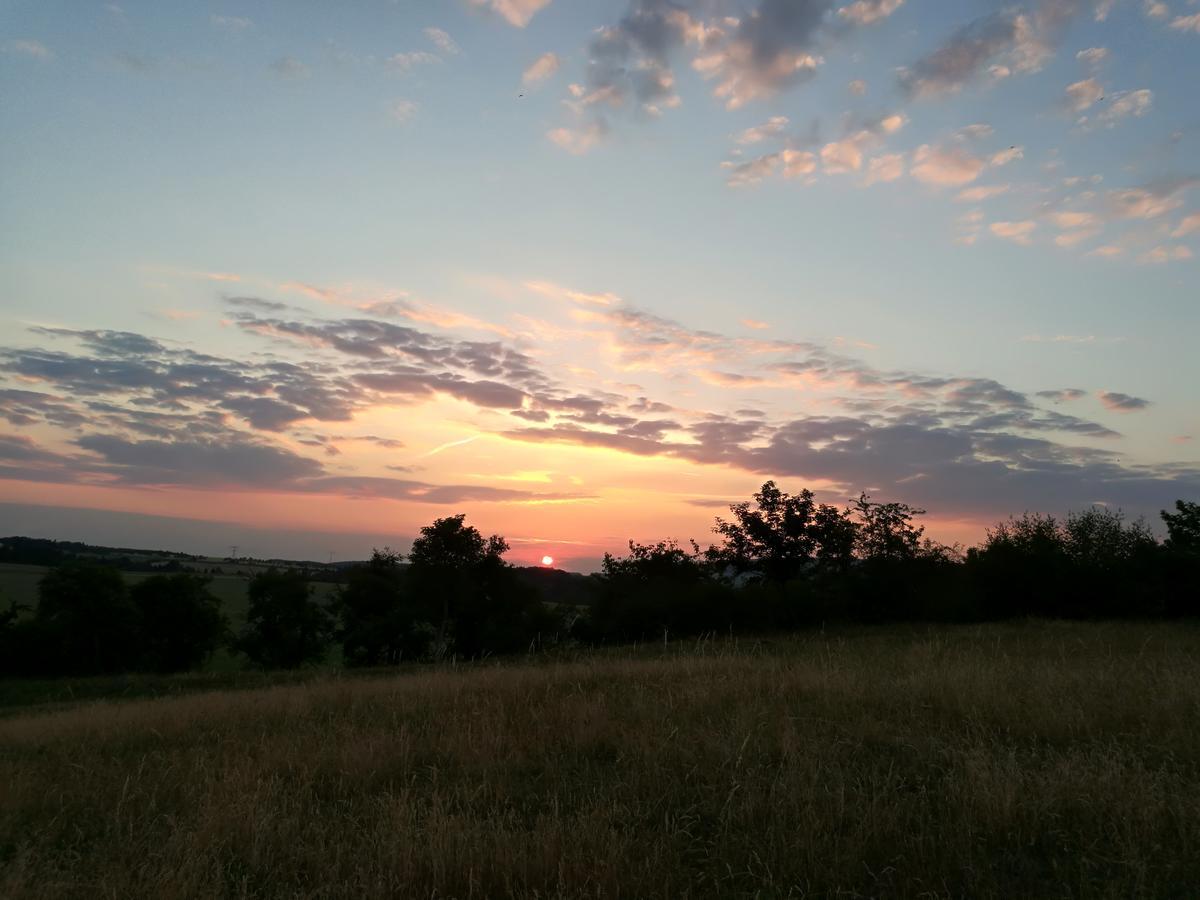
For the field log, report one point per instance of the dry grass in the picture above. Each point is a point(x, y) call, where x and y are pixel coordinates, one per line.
point(1043, 760)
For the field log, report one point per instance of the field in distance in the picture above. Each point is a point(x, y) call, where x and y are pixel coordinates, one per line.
point(1039, 759)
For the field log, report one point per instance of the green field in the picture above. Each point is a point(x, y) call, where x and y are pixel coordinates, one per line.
point(1031, 760)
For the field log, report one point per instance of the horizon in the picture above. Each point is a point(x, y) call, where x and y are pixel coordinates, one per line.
point(590, 274)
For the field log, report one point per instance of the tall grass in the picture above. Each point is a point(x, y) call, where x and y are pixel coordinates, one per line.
point(1041, 760)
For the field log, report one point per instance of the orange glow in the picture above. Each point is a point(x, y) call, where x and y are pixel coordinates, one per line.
point(547, 560)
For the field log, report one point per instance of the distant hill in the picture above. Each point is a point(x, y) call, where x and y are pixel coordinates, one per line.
point(554, 585)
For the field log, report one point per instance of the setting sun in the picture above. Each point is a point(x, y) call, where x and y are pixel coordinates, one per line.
point(547, 560)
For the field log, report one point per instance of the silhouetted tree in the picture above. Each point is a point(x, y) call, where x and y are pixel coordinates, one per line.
point(484, 607)
point(1183, 529)
point(181, 622)
point(780, 535)
point(887, 531)
point(285, 626)
point(85, 623)
point(1181, 560)
point(381, 621)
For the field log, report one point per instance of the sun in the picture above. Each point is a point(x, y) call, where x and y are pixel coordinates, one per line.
point(547, 560)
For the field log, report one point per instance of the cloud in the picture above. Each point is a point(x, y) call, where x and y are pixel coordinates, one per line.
point(1155, 9)
point(945, 166)
point(1067, 220)
point(233, 24)
point(1012, 40)
point(1165, 254)
point(868, 12)
point(442, 41)
point(1092, 56)
point(1149, 201)
point(149, 412)
point(858, 87)
point(1082, 94)
point(1004, 157)
point(578, 140)
point(517, 13)
point(788, 163)
point(769, 49)
point(542, 68)
point(1118, 402)
point(28, 47)
point(1187, 23)
point(289, 67)
point(404, 62)
point(1128, 103)
point(773, 127)
point(1018, 232)
point(981, 193)
point(1063, 395)
point(885, 168)
point(402, 110)
point(1189, 225)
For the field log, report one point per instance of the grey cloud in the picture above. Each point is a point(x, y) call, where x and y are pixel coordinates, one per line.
point(1119, 402)
point(1023, 37)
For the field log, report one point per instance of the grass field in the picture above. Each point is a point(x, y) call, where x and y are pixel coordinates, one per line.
point(1040, 760)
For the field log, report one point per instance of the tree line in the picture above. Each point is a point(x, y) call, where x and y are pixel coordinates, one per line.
point(783, 561)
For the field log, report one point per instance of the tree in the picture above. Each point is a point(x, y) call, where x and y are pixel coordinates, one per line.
point(1183, 529)
point(886, 530)
point(484, 608)
point(381, 622)
point(181, 621)
point(85, 623)
point(781, 535)
point(285, 627)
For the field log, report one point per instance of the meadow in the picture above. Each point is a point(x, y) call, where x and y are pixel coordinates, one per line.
point(1034, 759)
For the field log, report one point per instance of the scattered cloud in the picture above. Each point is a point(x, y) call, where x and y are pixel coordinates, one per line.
point(1083, 94)
point(289, 67)
point(981, 193)
point(773, 127)
point(1018, 232)
point(1189, 225)
point(232, 24)
point(1165, 254)
point(1187, 23)
point(402, 110)
point(578, 140)
point(28, 47)
point(888, 167)
point(405, 62)
point(545, 66)
point(868, 12)
point(858, 87)
point(1118, 402)
point(1127, 103)
point(945, 166)
point(442, 41)
point(1092, 56)
point(517, 13)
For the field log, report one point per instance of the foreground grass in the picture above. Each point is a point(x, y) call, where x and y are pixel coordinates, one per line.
point(1042, 760)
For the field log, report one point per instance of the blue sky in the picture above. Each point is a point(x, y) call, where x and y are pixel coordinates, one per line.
point(943, 252)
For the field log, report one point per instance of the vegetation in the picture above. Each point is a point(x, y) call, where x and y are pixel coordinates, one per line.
point(784, 562)
point(1033, 760)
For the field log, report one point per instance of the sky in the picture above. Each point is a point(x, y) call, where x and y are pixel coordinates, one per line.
point(305, 277)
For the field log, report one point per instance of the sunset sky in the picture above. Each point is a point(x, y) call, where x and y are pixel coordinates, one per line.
point(305, 276)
